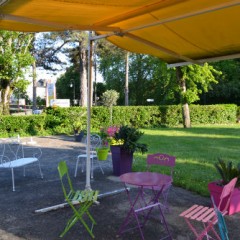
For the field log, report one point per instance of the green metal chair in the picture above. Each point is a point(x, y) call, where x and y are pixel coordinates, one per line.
point(79, 201)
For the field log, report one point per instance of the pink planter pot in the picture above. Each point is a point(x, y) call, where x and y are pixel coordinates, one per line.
point(216, 190)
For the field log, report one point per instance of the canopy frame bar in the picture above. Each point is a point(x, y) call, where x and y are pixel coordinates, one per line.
point(214, 59)
point(165, 50)
point(160, 22)
point(60, 27)
point(133, 14)
point(184, 16)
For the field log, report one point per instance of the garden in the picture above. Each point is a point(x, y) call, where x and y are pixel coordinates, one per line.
point(214, 134)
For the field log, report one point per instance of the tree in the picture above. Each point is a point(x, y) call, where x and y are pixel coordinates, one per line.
point(193, 80)
point(63, 84)
point(148, 76)
point(15, 57)
point(79, 55)
point(112, 66)
point(73, 45)
point(109, 99)
point(228, 88)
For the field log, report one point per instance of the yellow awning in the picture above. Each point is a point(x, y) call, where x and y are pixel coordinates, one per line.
point(173, 30)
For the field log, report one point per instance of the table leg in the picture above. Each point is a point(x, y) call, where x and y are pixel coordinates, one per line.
point(141, 206)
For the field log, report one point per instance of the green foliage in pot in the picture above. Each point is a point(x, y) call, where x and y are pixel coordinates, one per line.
point(77, 120)
point(228, 171)
point(109, 99)
point(130, 136)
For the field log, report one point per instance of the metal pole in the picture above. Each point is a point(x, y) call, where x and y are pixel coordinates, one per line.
point(63, 205)
point(88, 163)
point(126, 80)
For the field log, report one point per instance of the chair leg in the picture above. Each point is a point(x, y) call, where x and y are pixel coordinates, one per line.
point(92, 163)
point(100, 166)
point(78, 214)
point(204, 232)
point(91, 167)
point(165, 200)
point(82, 164)
point(76, 168)
point(13, 182)
point(40, 169)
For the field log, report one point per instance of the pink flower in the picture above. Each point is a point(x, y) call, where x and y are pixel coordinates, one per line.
point(111, 131)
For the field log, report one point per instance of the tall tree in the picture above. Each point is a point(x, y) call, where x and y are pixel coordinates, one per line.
point(228, 88)
point(15, 56)
point(79, 55)
point(71, 44)
point(148, 77)
point(112, 66)
point(64, 89)
point(194, 80)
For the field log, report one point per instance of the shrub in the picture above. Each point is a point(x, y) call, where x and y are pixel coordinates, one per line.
point(228, 171)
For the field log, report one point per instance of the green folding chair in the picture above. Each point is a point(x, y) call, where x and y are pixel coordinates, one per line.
point(79, 201)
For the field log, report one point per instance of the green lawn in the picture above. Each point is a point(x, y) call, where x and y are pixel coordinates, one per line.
point(196, 150)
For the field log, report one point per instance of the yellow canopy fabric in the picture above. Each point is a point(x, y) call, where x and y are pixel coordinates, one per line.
point(173, 30)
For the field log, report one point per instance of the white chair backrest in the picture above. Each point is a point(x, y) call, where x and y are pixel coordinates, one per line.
point(95, 142)
point(2, 150)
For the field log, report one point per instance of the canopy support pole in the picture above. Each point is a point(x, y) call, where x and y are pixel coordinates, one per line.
point(89, 100)
point(63, 205)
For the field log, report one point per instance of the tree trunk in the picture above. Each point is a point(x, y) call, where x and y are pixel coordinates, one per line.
point(5, 99)
point(186, 116)
point(83, 77)
point(185, 106)
point(34, 79)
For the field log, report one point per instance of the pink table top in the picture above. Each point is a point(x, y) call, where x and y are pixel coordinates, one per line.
point(149, 179)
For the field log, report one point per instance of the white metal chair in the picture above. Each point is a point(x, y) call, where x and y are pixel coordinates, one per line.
point(13, 155)
point(95, 142)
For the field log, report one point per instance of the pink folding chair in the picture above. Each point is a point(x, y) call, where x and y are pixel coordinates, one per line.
point(201, 219)
point(161, 159)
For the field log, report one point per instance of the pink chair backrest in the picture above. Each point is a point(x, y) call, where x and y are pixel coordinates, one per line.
point(226, 194)
point(162, 160)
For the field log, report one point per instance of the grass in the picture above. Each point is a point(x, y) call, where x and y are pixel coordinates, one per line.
point(196, 150)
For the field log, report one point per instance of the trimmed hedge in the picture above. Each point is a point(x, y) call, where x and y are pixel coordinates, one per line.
point(22, 125)
point(60, 120)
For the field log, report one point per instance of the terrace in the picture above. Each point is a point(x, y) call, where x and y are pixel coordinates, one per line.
point(19, 220)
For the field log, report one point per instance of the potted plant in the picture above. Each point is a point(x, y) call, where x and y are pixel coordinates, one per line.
point(124, 142)
point(78, 131)
point(227, 172)
point(77, 122)
point(102, 151)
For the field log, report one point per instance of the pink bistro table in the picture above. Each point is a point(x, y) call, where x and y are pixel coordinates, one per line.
point(141, 205)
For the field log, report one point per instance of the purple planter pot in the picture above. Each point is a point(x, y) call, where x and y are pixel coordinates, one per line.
point(121, 160)
point(78, 136)
point(216, 190)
